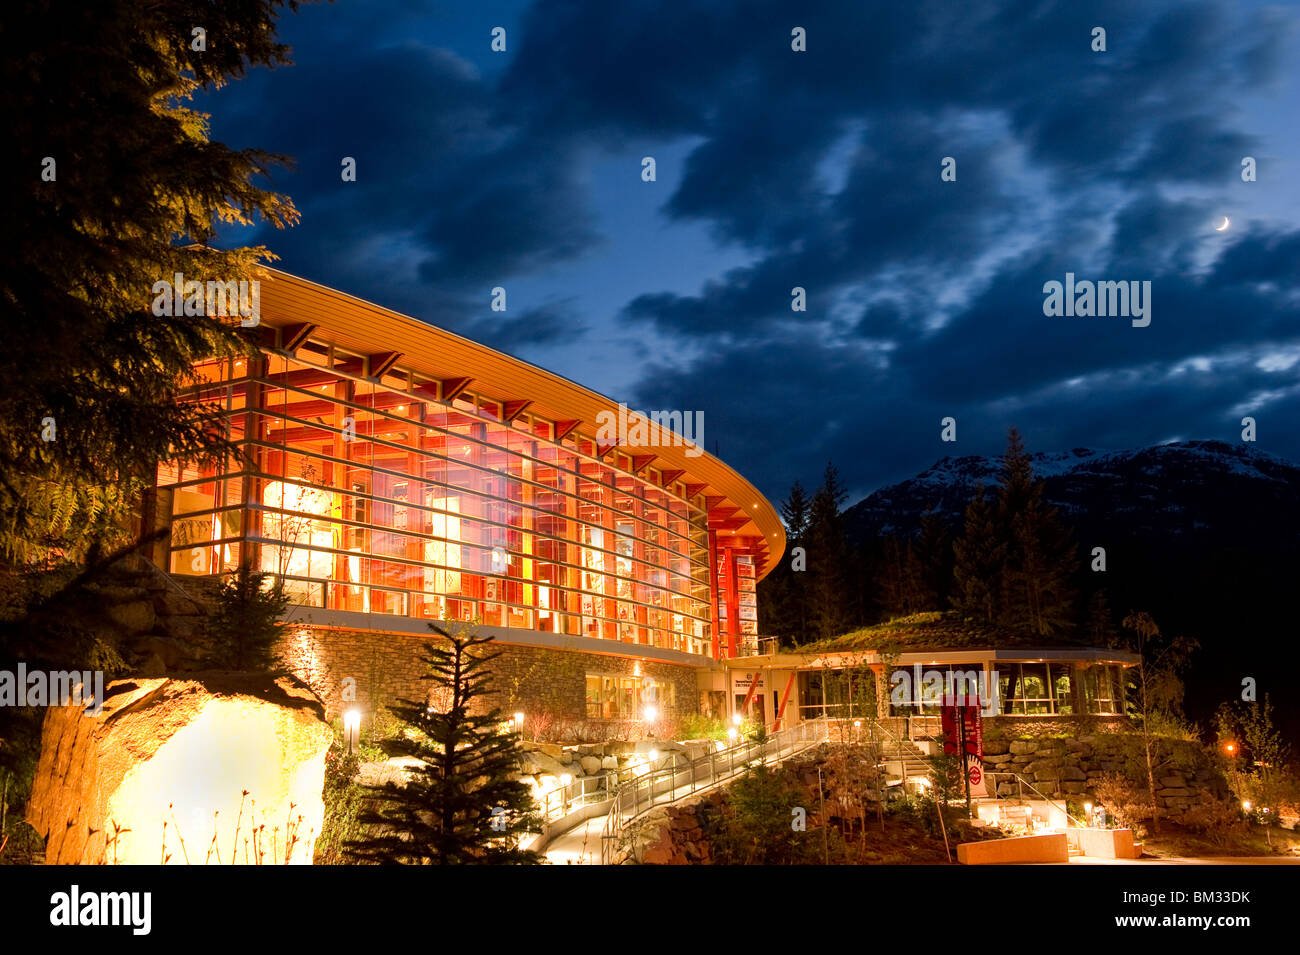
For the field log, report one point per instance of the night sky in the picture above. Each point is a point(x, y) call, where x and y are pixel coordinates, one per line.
point(818, 169)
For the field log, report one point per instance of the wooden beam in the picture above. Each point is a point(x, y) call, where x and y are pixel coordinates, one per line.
point(641, 461)
point(380, 362)
point(671, 476)
point(451, 387)
point(693, 489)
point(565, 428)
point(292, 336)
point(513, 409)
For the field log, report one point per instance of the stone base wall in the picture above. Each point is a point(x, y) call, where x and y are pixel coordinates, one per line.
point(548, 685)
point(1071, 766)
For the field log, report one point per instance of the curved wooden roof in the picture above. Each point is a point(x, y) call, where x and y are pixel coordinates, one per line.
point(736, 509)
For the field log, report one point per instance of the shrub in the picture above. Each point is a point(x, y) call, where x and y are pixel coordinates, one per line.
point(1126, 800)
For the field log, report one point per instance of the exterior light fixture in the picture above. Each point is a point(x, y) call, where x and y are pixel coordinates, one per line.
point(1245, 805)
point(1231, 748)
point(732, 733)
point(736, 718)
point(352, 729)
point(654, 755)
point(650, 714)
point(519, 720)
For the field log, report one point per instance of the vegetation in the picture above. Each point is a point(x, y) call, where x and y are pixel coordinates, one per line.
point(108, 210)
point(246, 623)
point(1155, 700)
point(463, 804)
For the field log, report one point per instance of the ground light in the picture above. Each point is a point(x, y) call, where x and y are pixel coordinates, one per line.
point(650, 714)
point(352, 729)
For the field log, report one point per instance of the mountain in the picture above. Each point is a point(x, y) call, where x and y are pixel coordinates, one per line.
point(1203, 535)
point(1197, 490)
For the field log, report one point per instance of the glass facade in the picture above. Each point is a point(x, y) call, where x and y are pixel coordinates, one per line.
point(399, 495)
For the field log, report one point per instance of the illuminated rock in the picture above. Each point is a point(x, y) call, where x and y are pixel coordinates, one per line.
point(183, 753)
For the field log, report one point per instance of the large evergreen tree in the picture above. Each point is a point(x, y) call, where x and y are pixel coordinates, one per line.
point(783, 594)
point(979, 555)
point(464, 804)
point(115, 186)
point(829, 560)
point(1037, 591)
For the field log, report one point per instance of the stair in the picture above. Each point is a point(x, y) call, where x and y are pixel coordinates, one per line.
point(905, 756)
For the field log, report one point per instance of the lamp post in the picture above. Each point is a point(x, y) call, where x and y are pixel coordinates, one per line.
point(352, 729)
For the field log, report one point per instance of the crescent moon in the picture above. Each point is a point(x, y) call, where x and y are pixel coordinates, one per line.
point(1220, 228)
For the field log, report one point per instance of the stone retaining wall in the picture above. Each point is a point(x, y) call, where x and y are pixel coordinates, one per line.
point(1063, 767)
point(548, 685)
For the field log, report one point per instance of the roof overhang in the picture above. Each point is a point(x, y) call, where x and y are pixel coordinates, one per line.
point(293, 304)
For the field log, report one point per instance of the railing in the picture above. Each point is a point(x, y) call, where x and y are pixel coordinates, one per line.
point(1021, 783)
point(558, 803)
point(752, 646)
point(686, 777)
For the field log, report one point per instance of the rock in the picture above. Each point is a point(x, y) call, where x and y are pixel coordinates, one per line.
point(172, 653)
point(1021, 747)
point(590, 764)
point(183, 628)
point(178, 751)
point(658, 855)
point(566, 758)
point(609, 762)
point(537, 763)
point(1173, 792)
point(136, 616)
point(1173, 782)
point(1073, 787)
point(170, 603)
point(1073, 773)
point(619, 747)
point(995, 747)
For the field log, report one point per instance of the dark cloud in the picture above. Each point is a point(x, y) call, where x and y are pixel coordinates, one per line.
point(822, 168)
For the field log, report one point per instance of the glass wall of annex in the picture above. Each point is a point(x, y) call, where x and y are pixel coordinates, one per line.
point(382, 496)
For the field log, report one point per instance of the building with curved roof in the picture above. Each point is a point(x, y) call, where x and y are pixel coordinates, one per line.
point(392, 473)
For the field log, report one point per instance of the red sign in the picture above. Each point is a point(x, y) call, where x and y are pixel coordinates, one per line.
point(962, 722)
point(975, 774)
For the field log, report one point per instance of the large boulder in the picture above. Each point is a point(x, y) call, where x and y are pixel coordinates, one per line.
point(167, 764)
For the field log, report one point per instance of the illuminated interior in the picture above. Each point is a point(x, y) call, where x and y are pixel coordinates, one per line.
point(367, 485)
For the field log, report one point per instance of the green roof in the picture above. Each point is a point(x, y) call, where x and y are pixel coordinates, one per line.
point(937, 630)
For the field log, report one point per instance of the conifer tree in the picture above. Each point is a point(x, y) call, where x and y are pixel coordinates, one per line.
point(464, 805)
point(1036, 590)
point(979, 555)
point(783, 594)
point(829, 567)
point(246, 624)
point(115, 187)
point(934, 553)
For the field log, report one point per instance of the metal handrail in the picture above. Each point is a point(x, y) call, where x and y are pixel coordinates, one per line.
point(1022, 782)
point(738, 758)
